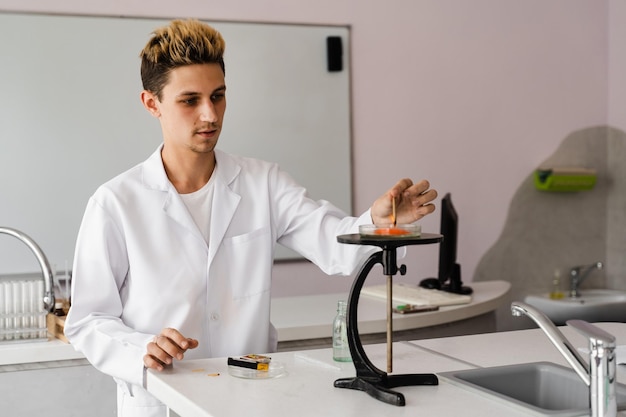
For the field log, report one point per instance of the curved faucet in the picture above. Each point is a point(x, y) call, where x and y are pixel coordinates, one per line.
point(566, 349)
point(578, 274)
point(48, 296)
point(600, 374)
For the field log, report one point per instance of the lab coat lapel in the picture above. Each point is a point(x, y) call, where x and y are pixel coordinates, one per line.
point(177, 210)
point(225, 201)
point(154, 177)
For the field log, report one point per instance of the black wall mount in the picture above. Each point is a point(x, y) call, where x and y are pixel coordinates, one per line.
point(334, 53)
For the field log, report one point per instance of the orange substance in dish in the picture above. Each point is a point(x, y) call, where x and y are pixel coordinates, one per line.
point(390, 231)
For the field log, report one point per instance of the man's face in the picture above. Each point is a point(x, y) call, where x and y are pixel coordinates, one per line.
point(192, 108)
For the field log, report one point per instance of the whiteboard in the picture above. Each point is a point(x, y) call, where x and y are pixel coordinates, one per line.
point(71, 117)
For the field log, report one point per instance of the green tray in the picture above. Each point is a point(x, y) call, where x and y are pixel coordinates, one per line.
point(565, 180)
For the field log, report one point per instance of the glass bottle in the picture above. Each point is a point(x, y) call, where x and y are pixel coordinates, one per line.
point(557, 293)
point(58, 309)
point(341, 349)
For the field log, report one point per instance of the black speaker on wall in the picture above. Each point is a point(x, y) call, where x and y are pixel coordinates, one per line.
point(334, 52)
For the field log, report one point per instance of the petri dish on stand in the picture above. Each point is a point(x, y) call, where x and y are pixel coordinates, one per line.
point(398, 231)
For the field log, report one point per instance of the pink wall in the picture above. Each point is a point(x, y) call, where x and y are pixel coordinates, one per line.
point(471, 95)
point(617, 64)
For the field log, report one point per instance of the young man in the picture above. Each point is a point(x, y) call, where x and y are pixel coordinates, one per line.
point(174, 256)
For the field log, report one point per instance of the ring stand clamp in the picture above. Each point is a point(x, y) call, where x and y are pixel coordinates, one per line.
point(368, 378)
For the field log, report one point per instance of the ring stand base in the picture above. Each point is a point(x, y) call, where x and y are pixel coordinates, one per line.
point(379, 388)
point(368, 378)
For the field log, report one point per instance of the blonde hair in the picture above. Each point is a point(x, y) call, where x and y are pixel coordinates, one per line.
point(182, 42)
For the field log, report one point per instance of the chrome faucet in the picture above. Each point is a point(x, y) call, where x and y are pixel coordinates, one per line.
point(578, 274)
point(48, 295)
point(600, 374)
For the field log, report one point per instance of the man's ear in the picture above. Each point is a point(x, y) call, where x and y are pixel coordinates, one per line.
point(150, 102)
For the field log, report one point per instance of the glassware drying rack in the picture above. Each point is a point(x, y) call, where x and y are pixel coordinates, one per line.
point(22, 312)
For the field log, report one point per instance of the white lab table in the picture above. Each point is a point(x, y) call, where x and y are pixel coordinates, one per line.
point(189, 390)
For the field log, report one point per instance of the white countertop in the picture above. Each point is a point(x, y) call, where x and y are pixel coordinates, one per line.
point(307, 390)
point(311, 317)
point(32, 352)
point(522, 346)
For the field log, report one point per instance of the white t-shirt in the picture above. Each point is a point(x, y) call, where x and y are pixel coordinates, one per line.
point(199, 205)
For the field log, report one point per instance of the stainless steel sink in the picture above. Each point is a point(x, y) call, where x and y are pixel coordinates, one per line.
point(544, 388)
point(593, 306)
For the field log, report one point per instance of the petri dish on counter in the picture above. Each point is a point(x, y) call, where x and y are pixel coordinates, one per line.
point(397, 231)
point(275, 370)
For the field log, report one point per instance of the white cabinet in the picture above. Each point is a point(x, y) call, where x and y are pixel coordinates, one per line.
point(56, 389)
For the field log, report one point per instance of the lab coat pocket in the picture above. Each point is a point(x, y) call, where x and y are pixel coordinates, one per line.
point(134, 401)
point(249, 262)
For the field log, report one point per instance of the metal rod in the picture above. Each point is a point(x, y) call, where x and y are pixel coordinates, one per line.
point(389, 324)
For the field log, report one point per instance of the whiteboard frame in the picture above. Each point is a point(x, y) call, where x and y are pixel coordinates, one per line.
point(72, 131)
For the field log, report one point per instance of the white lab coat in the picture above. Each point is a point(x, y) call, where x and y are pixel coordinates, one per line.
point(141, 264)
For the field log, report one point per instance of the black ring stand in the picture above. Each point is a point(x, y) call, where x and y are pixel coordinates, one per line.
point(369, 378)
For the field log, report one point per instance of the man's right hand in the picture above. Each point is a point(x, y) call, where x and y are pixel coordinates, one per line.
point(166, 346)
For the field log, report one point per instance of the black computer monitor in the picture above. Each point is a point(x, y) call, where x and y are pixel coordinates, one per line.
point(449, 277)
